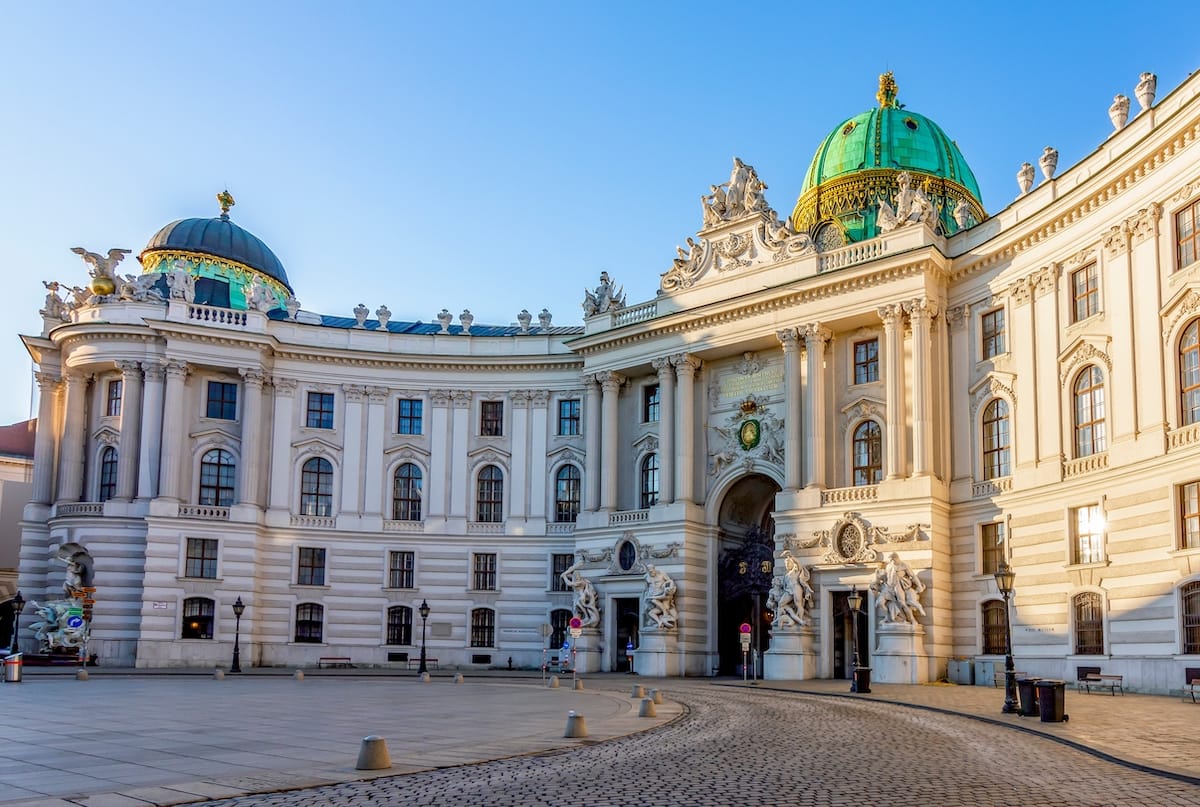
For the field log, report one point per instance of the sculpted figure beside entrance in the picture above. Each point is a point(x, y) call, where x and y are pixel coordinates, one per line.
point(660, 599)
point(898, 591)
point(587, 603)
point(791, 596)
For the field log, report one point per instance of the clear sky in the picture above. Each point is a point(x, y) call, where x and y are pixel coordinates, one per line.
point(498, 156)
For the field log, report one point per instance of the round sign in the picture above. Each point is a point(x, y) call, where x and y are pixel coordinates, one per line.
point(566, 645)
point(74, 622)
point(745, 628)
point(576, 622)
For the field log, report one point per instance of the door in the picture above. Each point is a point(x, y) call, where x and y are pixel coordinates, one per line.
point(844, 630)
point(628, 612)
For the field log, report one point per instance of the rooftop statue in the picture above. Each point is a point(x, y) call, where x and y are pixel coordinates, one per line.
point(740, 196)
point(912, 206)
point(102, 267)
point(139, 288)
point(605, 298)
point(54, 307)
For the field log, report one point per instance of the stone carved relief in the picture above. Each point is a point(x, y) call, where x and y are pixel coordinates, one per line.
point(689, 266)
point(741, 196)
point(1115, 241)
point(912, 207)
point(991, 388)
point(778, 238)
point(751, 433)
point(1187, 305)
point(1085, 353)
point(956, 317)
point(1145, 223)
point(730, 252)
point(1186, 192)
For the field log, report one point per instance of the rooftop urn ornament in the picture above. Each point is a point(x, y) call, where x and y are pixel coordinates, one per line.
point(523, 319)
point(544, 319)
point(445, 318)
point(1048, 162)
point(383, 314)
point(293, 306)
point(1118, 113)
point(360, 315)
point(225, 199)
point(1025, 178)
point(466, 318)
point(1144, 91)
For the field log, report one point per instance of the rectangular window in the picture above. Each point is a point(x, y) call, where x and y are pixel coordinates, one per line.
point(201, 558)
point(992, 548)
point(222, 400)
point(866, 361)
point(112, 401)
point(408, 421)
point(650, 404)
point(320, 410)
point(568, 417)
point(1187, 231)
point(559, 563)
point(994, 629)
point(400, 569)
point(484, 578)
point(1189, 516)
point(483, 628)
point(991, 329)
point(399, 625)
point(1088, 523)
point(491, 418)
point(1085, 293)
point(311, 569)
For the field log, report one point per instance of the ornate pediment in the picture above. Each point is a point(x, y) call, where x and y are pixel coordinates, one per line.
point(216, 436)
point(1084, 350)
point(106, 435)
point(489, 455)
point(1184, 306)
point(563, 455)
point(407, 451)
point(862, 408)
point(852, 539)
point(316, 445)
point(993, 384)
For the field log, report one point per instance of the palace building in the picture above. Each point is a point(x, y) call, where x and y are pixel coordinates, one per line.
point(889, 392)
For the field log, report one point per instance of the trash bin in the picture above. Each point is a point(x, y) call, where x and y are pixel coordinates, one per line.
point(862, 680)
point(1052, 700)
point(12, 668)
point(1027, 691)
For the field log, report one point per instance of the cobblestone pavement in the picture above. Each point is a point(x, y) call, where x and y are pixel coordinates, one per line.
point(752, 747)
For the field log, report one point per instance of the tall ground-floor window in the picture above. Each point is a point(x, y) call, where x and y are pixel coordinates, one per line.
point(994, 643)
point(399, 625)
point(309, 619)
point(197, 618)
point(1191, 617)
point(1089, 624)
point(483, 627)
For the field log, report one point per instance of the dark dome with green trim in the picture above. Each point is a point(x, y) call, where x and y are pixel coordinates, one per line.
point(856, 165)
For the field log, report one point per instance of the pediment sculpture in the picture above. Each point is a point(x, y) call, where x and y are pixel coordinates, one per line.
point(741, 196)
point(912, 207)
point(607, 297)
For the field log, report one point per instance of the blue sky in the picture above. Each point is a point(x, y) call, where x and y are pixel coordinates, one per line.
point(498, 156)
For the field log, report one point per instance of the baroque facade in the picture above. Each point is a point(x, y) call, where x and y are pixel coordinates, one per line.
point(887, 392)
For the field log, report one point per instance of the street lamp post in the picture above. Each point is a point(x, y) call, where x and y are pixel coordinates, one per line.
point(1004, 581)
point(424, 611)
point(238, 608)
point(854, 601)
point(18, 605)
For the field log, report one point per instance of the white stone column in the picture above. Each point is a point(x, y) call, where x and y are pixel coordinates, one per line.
point(921, 313)
point(251, 454)
point(893, 350)
point(666, 429)
point(281, 443)
point(436, 492)
point(610, 384)
point(460, 474)
point(815, 339)
point(131, 425)
point(43, 442)
point(591, 442)
point(685, 420)
point(377, 398)
point(539, 429)
point(792, 427)
point(173, 431)
point(518, 504)
point(352, 448)
point(70, 462)
point(151, 443)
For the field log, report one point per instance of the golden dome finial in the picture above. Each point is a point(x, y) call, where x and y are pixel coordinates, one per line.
point(226, 200)
point(887, 90)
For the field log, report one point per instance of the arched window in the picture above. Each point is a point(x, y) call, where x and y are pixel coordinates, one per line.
point(399, 625)
point(994, 635)
point(995, 439)
point(316, 488)
point(566, 494)
point(868, 454)
point(489, 498)
point(648, 486)
point(197, 618)
point(483, 627)
point(406, 493)
point(217, 471)
point(1189, 374)
point(108, 475)
point(309, 619)
point(560, 621)
point(1191, 617)
point(1089, 624)
point(1088, 392)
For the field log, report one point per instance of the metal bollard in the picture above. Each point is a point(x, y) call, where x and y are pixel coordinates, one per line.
point(552, 683)
point(578, 684)
point(576, 726)
point(656, 696)
point(425, 678)
point(373, 754)
point(458, 678)
point(299, 675)
point(647, 708)
point(81, 675)
point(639, 691)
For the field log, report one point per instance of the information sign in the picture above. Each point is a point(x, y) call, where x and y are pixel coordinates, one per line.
point(576, 633)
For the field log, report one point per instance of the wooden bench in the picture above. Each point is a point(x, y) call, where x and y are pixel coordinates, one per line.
point(1191, 682)
point(334, 661)
point(416, 662)
point(1089, 678)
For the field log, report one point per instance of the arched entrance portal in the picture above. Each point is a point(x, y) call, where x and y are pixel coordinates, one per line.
point(745, 562)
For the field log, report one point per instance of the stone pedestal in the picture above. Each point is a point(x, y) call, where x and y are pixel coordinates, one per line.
point(657, 654)
point(587, 651)
point(792, 655)
point(900, 658)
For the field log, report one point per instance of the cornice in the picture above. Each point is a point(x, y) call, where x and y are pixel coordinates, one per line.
point(453, 363)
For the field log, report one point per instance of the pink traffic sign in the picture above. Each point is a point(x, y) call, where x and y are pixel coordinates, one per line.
point(576, 622)
point(745, 628)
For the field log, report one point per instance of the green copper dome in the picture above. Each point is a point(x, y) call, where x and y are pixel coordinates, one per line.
point(857, 164)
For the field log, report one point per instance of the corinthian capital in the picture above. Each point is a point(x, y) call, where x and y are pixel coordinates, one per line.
point(789, 339)
point(921, 309)
point(685, 364)
point(892, 315)
point(610, 381)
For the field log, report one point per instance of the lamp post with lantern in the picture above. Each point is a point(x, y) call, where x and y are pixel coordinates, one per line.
point(18, 605)
point(859, 677)
point(424, 611)
point(239, 608)
point(1004, 582)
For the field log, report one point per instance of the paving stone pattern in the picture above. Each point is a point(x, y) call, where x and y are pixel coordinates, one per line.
point(754, 747)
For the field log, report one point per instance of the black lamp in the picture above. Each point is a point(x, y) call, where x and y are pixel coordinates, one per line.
point(1004, 582)
point(239, 608)
point(423, 610)
point(18, 605)
point(854, 601)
